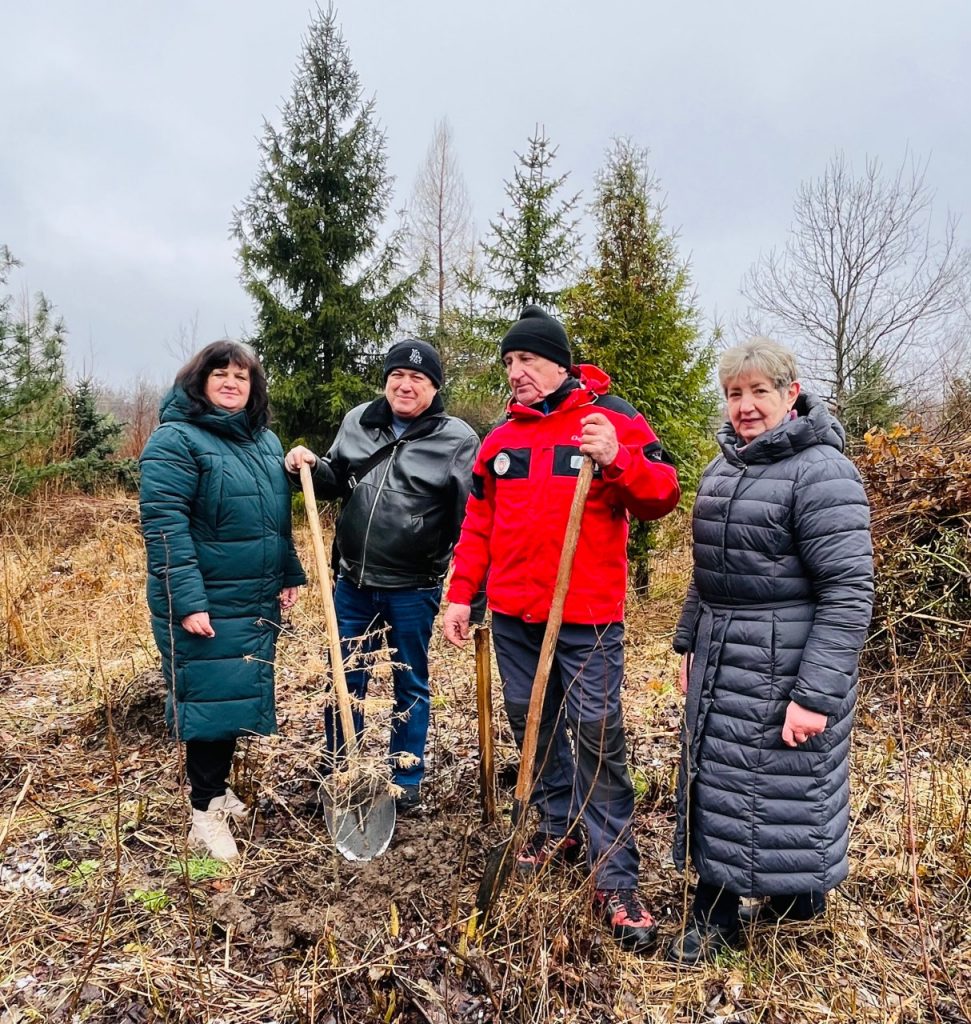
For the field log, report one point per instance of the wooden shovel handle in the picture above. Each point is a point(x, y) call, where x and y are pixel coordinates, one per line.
point(330, 612)
point(524, 780)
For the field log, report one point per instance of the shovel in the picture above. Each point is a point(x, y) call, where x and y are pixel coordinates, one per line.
point(483, 700)
point(500, 858)
point(358, 809)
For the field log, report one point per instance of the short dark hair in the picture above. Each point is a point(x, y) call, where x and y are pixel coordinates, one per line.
point(193, 376)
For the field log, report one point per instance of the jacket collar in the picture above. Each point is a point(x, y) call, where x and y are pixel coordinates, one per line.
point(813, 425)
point(235, 426)
point(378, 415)
point(587, 383)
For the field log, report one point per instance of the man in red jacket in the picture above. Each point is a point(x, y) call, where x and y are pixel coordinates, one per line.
point(523, 483)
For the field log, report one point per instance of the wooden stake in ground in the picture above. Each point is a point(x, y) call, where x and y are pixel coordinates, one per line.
point(483, 693)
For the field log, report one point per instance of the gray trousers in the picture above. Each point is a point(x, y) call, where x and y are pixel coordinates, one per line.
point(587, 781)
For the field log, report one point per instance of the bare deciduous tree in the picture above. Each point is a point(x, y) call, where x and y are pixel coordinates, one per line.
point(863, 283)
point(440, 220)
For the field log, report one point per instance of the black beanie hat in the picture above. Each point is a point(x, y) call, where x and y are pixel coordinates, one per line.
point(536, 331)
point(411, 354)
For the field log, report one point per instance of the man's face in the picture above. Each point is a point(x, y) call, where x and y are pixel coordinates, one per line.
point(532, 377)
point(409, 393)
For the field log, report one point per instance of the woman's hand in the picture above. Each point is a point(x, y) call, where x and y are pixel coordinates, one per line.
point(198, 623)
point(801, 724)
point(296, 457)
point(288, 597)
point(684, 671)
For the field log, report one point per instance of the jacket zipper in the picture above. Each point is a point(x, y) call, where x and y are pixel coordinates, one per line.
point(728, 510)
point(374, 504)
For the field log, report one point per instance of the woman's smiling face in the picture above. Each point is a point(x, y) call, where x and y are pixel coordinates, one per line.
point(228, 387)
point(756, 405)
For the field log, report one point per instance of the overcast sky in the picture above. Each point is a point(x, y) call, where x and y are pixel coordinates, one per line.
point(128, 130)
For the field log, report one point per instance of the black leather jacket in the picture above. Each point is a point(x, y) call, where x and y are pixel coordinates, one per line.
point(401, 516)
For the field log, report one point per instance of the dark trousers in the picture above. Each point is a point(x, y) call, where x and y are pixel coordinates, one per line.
point(207, 764)
point(589, 780)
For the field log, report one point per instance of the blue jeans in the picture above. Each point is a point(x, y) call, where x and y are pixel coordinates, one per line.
point(408, 616)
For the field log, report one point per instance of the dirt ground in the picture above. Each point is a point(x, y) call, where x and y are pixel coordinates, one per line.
point(105, 917)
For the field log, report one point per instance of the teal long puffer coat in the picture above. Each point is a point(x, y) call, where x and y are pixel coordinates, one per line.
point(215, 512)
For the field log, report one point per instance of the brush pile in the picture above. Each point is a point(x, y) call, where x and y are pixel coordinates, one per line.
point(920, 493)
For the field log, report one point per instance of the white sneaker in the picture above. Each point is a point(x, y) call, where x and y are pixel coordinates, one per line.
point(231, 804)
point(210, 831)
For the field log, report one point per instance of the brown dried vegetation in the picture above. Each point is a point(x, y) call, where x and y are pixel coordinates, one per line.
point(103, 916)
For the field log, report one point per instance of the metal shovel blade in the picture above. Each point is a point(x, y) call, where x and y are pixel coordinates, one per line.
point(498, 867)
point(360, 814)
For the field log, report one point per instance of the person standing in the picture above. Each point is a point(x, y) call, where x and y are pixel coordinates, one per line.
point(770, 637)
point(523, 485)
point(215, 514)
point(403, 470)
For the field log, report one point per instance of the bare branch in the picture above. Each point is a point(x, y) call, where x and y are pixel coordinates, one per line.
point(863, 280)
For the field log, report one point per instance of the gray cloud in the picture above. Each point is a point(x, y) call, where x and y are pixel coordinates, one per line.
point(128, 131)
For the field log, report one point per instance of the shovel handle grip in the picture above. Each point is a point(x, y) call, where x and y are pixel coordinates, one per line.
point(330, 612)
point(524, 780)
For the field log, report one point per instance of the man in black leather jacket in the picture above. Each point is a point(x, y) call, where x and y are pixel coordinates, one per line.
point(403, 470)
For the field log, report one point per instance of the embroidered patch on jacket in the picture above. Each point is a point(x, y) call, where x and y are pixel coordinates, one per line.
point(510, 464)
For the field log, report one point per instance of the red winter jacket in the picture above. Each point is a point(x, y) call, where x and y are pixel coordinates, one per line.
point(523, 483)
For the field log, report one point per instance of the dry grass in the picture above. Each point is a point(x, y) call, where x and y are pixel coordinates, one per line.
point(103, 916)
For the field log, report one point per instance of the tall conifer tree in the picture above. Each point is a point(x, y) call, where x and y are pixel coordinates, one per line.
point(327, 289)
point(633, 313)
point(534, 244)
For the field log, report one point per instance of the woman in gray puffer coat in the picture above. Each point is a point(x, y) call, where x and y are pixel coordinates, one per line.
point(771, 633)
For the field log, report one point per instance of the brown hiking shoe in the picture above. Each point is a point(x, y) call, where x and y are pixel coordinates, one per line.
point(542, 849)
point(626, 917)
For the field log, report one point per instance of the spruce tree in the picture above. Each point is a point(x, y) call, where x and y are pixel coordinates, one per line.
point(31, 385)
point(94, 437)
point(633, 314)
point(534, 245)
point(326, 287)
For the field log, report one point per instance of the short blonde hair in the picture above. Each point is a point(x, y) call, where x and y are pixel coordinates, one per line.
point(758, 355)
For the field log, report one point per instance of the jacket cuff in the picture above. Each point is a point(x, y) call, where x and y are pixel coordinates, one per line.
point(821, 703)
point(617, 467)
point(458, 594)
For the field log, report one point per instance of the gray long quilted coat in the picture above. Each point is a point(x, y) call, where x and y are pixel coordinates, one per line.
point(777, 610)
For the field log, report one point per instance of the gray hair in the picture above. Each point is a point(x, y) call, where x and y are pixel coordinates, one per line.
point(758, 355)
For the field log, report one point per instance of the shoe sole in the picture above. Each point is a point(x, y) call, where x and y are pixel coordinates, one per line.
point(635, 943)
point(200, 846)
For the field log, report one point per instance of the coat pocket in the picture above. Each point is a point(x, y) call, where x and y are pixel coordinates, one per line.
point(210, 493)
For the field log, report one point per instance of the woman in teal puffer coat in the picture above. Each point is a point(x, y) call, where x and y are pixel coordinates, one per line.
point(215, 512)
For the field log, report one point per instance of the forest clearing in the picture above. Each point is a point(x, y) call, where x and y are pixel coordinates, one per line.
point(106, 918)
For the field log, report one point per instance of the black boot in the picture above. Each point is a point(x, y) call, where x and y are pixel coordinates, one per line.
point(803, 906)
point(701, 942)
point(712, 927)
